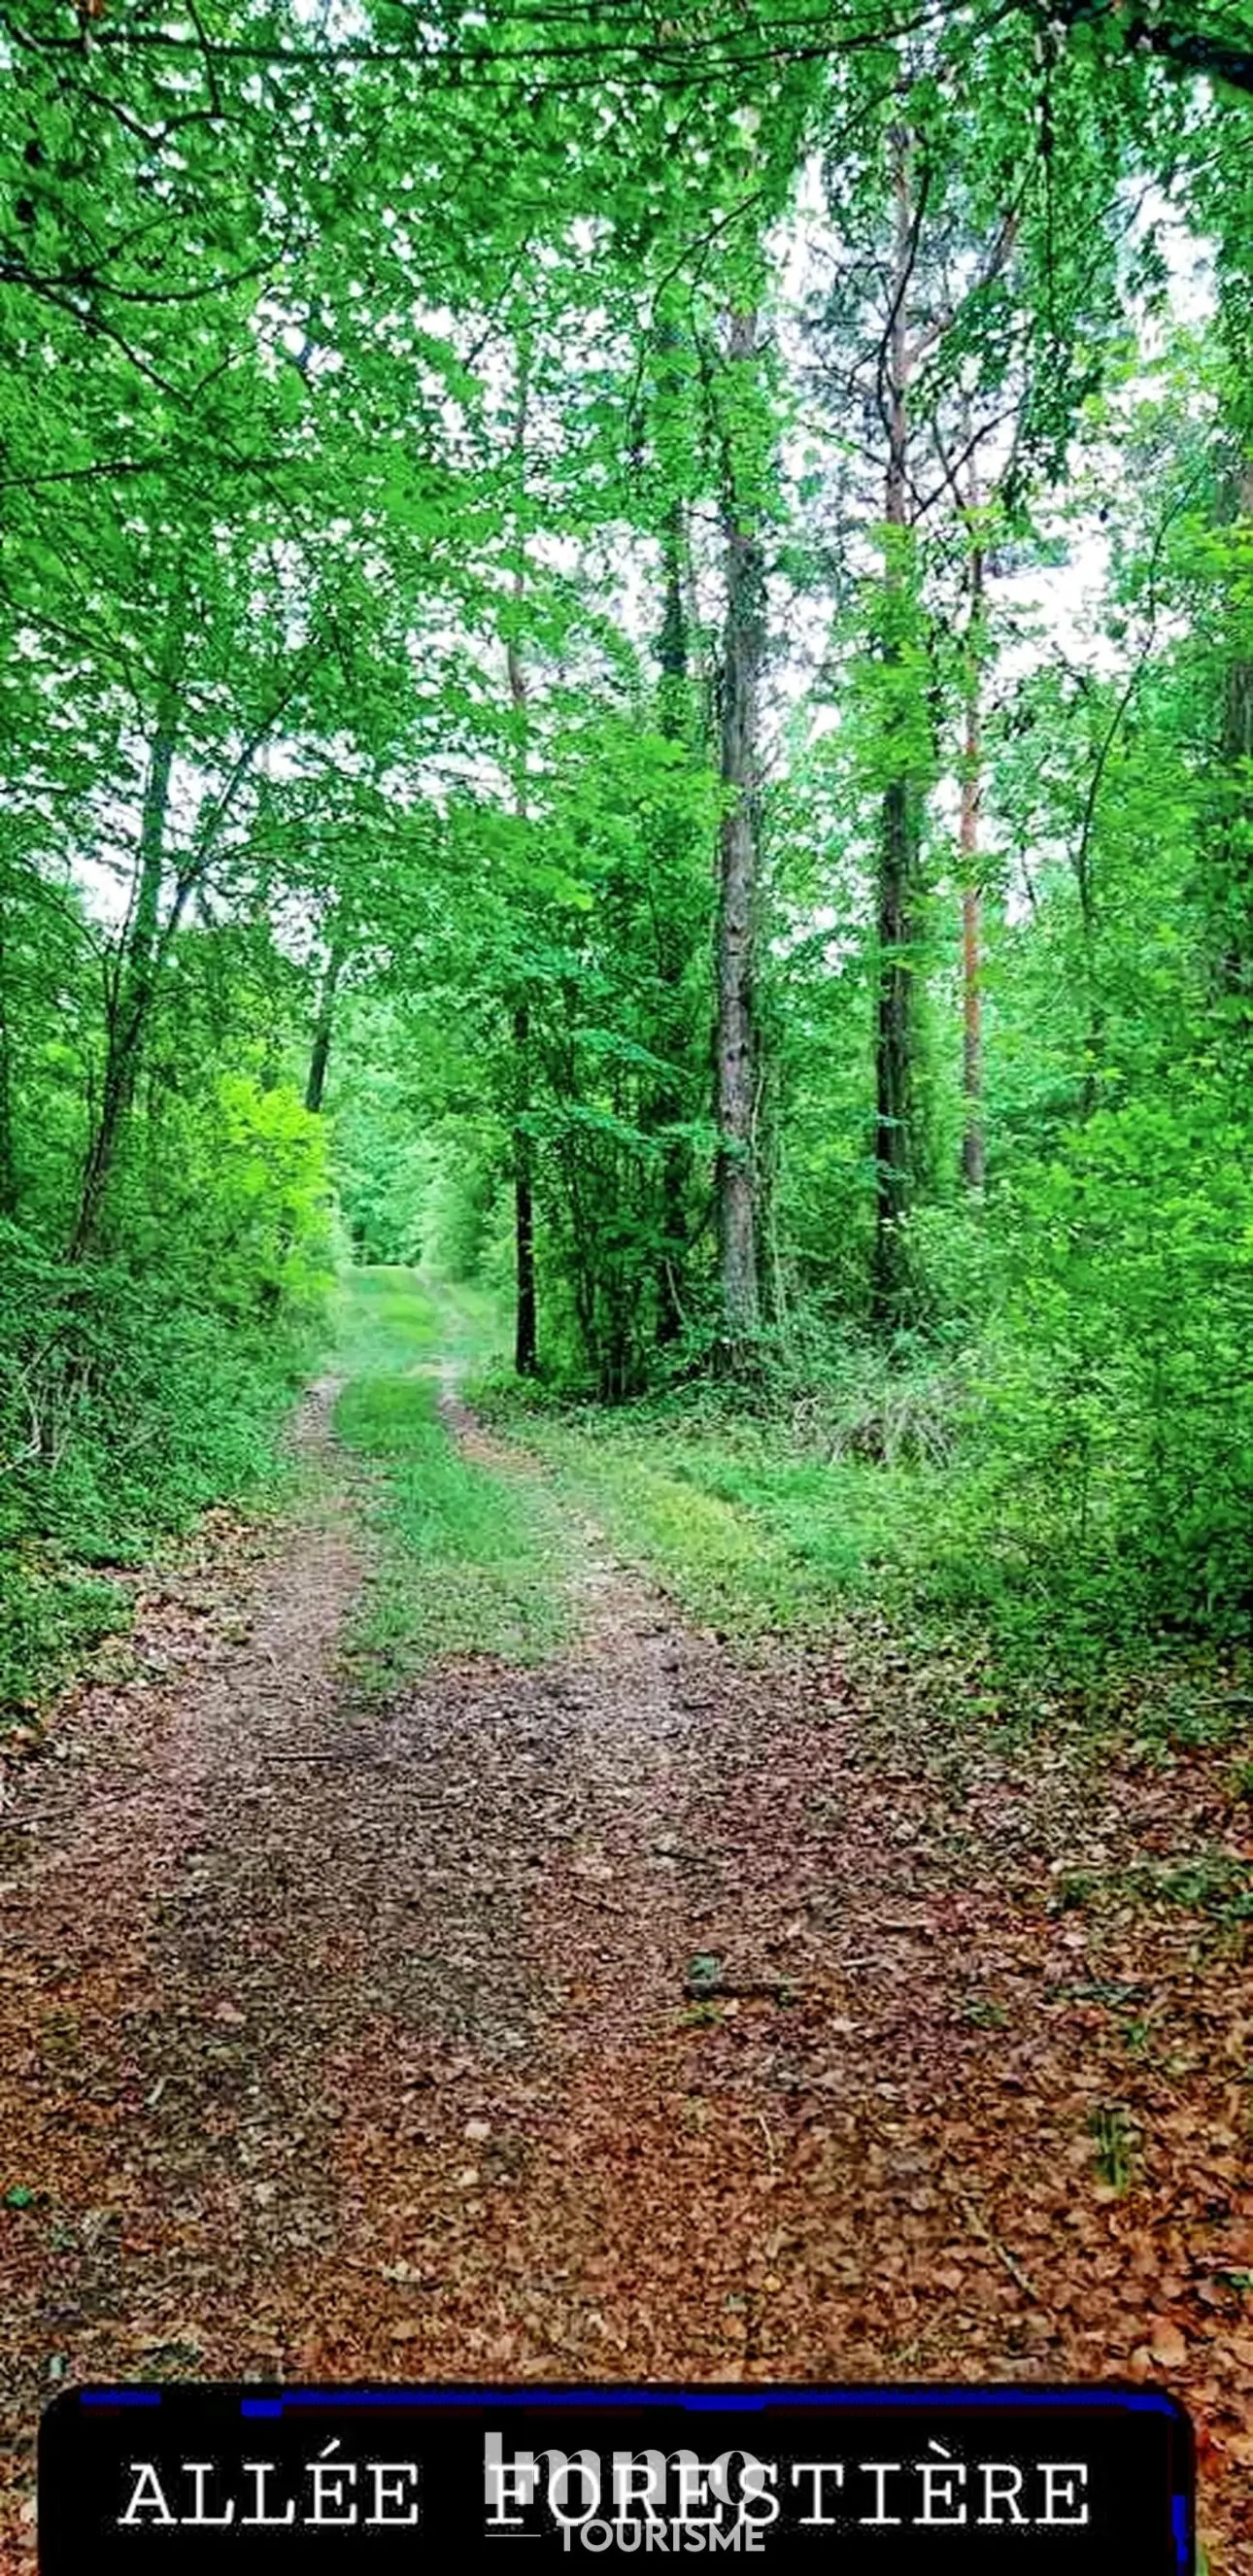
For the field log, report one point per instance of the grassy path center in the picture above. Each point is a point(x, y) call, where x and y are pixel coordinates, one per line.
point(466, 1560)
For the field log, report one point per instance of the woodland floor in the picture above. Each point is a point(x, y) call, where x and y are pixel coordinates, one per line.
point(344, 2036)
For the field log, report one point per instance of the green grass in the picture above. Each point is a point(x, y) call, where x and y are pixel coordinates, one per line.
point(384, 1322)
point(747, 1536)
point(468, 1561)
point(882, 1514)
point(388, 1321)
point(765, 1523)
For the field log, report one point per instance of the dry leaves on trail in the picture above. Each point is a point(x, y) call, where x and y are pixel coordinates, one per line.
point(651, 2014)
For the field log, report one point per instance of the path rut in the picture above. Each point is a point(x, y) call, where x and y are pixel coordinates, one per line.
point(657, 2012)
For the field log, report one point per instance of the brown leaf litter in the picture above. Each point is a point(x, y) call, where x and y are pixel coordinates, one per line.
point(658, 2013)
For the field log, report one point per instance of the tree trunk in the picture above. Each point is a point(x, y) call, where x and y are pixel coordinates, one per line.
point(1235, 888)
point(742, 658)
point(526, 1330)
point(973, 1157)
point(894, 1054)
point(324, 1024)
point(670, 962)
point(973, 1161)
point(8, 1144)
point(895, 1031)
point(526, 1336)
point(134, 981)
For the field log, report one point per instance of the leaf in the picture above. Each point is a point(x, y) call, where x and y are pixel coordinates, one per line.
point(1167, 2345)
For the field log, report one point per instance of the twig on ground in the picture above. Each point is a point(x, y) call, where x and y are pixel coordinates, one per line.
point(1012, 2266)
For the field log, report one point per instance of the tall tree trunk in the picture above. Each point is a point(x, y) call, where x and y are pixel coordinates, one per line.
point(1235, 870)
point(894, 1055)
point(742, 659)
point(134, 982)
point(324, 1024)
point(973, 1160)
point(670, 961)
point(895, 1030)
point(8, 1144)
point(1085, 888)
point(525, 1331)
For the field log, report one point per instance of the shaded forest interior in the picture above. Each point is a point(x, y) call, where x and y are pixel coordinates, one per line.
point(630, 676)
point(627, 855)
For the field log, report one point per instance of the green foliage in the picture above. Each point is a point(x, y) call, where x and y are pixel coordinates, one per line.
point(1125, 1394)
point(49, 1621)
point(462, 1212)
point(148, 1378)
point(363, 705)
point(125, 1409)
point(383, 1163)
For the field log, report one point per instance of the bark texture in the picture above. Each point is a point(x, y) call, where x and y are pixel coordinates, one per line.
point(742, 659)
point(669, 1105)
point(324, 1024)
point(972, 908)
point(1235, 854)
point(899, 834)
point(133, 984)
point(526, 1327)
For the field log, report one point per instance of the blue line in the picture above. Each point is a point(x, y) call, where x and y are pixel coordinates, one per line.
point(119, 2396)
point(693, 2404)
point(689, 2400)
point(1182, 2519)
point(709, 2401)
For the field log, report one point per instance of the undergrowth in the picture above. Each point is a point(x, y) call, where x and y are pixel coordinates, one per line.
point(123, 1416)
point(785, 1506)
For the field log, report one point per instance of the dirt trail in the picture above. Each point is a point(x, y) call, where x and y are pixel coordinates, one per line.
point(653, 2013)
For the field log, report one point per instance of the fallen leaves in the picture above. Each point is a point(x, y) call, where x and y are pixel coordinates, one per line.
point(335, 2037)
point(1167, 2346)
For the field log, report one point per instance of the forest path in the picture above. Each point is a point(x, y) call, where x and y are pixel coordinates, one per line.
point(649, 2011)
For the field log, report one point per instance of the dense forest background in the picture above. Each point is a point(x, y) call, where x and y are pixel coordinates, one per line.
point(629, 677)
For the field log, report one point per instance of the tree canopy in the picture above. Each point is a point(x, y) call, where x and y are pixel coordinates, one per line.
point(630, 670)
